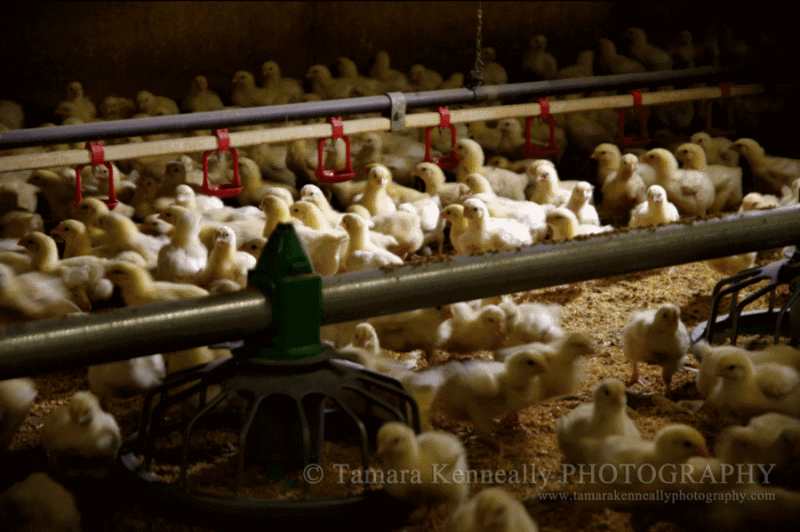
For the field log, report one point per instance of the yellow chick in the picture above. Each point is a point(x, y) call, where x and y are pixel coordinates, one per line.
point(656, 210)
point(16, 398)
point(692, 191)
point(564, 225)
point(583, 67)
point(399, 449)
point(770, 172)
point(624, 189)
point(493, 72)
point(504, 183)
point(581, 431)
point(81, 430)
point(362, 85)
point(538, 60)
point(652, 57)
point(614, 63)
point(290, 88)
point(201, 99)
point(125, 236)
point(531, 322)
point(487, 233)
point(393, 80)
point(435, 184)
point(33, 296)
point(225, 260)
point(563, 356)
point(247, 94)
point(424, 79)
point(185, 256)
point(674, 444)
point(718, 149)
point(458, 226)
point(744, 390)
point(151, 104)
point(326, 86)
point(83, 276)
point(138, 287)
point(530, 214)
point(579, 202)
point(361, 253)
point(467, 330)
point(40, 503)
point(117, 108)
point(727, 180)
point(375, 198)
point(656, 336)
point(254, 188)
point(491, 509)
point(480, 392)
point(124, 378)
point(11, 114)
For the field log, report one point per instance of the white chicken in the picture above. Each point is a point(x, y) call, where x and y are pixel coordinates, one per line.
point(491, 509)
point(185, 256)
point(361, 253)
point(481, 392)
point(656, 336)
point(487, 233)
point(770, 172)
point(624, 189)
point(538, 60)
point(531, 322)
point(16, 399)
point(564, 225)
point(81, 430)
point(580, 203)
point(124, 378)
point(615, 63)
point(226, 262)
point(399, 450)
point(692, 191)
point(652, 57)
point(504, 183)
point(718, 149)
point(471, 330)
point(39, 503)
point(727, 180)
point(581, 431)
point(275, 82)
point(138, 287)
point(656, 210)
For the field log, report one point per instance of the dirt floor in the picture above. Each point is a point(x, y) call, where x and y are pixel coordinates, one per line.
point(599, 308)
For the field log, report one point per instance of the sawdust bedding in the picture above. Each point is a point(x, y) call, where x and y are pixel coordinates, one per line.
point(598, 307)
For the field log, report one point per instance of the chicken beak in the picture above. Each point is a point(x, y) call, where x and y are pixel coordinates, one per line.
point(594, 156)
point(702, 450)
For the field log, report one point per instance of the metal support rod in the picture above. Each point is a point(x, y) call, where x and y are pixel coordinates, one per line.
point(58, 344)
point(368, 104)
point(243, 139)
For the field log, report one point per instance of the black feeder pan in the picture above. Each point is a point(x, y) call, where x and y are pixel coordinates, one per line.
point(783, 321)
point(285, 411)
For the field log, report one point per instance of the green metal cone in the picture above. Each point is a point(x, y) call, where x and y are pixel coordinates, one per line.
point(285, 276)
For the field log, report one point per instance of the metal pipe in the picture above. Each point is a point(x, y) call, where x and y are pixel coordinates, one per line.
point(369, 104)
point(53, 345)
point(120, 152)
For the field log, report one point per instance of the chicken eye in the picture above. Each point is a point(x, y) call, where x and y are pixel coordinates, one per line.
point(731, 367)
point(687, 444)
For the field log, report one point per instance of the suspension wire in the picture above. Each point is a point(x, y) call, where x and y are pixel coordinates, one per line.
point(476, 74)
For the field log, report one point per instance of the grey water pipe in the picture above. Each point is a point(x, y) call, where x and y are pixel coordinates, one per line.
point(369, 104)
point(65, 343)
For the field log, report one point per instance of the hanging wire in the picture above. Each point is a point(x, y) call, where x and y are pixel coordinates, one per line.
point(476, 74)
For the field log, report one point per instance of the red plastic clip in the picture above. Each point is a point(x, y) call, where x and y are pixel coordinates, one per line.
point(223, 190)
point(335, 176)
point(537, 152)
point(447, 162)
point(644, 138)
point(725, 89)
point(98, 158)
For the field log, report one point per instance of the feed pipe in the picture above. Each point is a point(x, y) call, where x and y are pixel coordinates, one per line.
point(71, 342)
point(369, 104)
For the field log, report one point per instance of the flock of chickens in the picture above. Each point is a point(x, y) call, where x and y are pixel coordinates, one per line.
point(165, 240)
